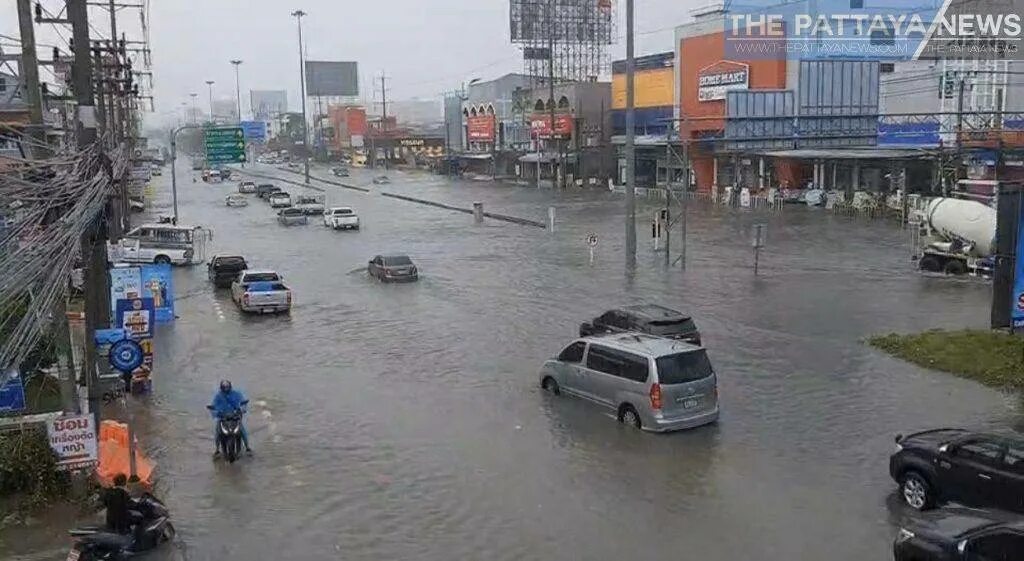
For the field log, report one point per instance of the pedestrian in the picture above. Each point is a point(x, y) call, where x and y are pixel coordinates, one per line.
point(117, 502)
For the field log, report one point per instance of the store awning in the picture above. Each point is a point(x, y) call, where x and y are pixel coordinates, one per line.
point(849, 154)
point(534, 157)
point(475, 156)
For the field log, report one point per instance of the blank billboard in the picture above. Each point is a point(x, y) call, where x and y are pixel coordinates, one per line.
point(326, 78)
point(268, 103)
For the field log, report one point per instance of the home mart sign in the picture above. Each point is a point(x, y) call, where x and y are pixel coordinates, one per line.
point(713, 82)
point(73, 439)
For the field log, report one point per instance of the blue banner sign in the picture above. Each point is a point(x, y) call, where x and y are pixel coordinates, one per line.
point(1017, 303)
point(12, 392)
point(158, 284)
point(254, 130)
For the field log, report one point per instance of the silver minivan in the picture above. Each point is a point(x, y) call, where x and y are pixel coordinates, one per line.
point(649, 382)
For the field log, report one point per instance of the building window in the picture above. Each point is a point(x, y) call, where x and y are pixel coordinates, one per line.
point(887, 67)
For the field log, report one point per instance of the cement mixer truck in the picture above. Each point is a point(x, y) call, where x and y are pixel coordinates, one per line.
point(957, 236)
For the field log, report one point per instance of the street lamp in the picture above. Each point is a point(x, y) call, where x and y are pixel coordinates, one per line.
point(238, 89)
point(195, 110)
point(302, 86)
point(209, 84)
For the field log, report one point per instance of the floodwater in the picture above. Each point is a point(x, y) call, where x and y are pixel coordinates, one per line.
point(406, 422)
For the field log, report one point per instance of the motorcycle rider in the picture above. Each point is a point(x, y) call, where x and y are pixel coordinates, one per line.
point(225, 402)
point(117, 501)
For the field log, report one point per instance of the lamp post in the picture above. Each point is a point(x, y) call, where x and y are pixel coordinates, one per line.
point(238, 89)
point(209, 84)
point(302, 87)
point(195, 110)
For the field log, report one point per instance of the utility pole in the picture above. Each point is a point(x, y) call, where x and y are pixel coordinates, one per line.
point(551, 92)
point(238, 89)
point(302, 87)
point(209, 85)
point(97, 310)
point(630, 148)
point(28, 67)
point(384, 111)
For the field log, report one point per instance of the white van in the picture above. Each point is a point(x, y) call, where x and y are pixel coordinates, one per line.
point(161, 243)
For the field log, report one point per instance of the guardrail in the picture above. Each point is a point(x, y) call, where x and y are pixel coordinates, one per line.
point(494, 215)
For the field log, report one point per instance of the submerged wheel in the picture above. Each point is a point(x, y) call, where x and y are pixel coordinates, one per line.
point(549, 384)
point(162, 260)
point(955, 267)
point(930, 263)
point(629, 416)
point(169, 532)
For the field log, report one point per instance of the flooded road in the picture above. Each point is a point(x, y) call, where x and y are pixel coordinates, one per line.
point(406, 422)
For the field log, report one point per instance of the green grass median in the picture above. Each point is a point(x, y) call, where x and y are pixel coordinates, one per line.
point(993, 358)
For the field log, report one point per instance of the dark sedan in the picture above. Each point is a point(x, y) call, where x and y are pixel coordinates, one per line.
point(644, 318)
point(393, 268)
point(961, 534)
point(941, 465)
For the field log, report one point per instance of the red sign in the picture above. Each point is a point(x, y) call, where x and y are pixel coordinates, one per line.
point(481, 128)
point(540, 125)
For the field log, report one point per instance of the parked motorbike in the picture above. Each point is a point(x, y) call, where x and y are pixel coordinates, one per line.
point(229, 433)
point(151, 526)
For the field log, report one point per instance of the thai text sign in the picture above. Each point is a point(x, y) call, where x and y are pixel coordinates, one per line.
point(73, 438)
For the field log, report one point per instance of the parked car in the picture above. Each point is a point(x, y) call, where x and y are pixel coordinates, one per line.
point(212, 176)
point(223, 269)
point(393, 268)
point(311, 205)
point(339, 171)
point(292, 165)
point(264, 190)
point(292, 216)
point(236, 199)
point(261, 291)
point(941, 465)
point(651, 383)
point(381, 180)
point(341, 218)
point(247, 187)
point(961, 534)
point(644, 318)
point(280, 199)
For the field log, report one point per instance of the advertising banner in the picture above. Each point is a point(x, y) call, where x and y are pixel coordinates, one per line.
point(125, 284)
point(714, 81)
point(481, 128)
point(1017, 312)
point(540, 125)
point(12, 392)
point(137, 317)
point(332, 78)
point(254, 130)
point(158, 284)
point(73, 438)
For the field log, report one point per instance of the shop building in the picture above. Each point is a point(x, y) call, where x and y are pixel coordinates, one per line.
point(654, 95)
point(492, 130)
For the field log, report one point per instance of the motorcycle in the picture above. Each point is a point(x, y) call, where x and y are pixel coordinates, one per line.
point(151, 526)
point(229, 433)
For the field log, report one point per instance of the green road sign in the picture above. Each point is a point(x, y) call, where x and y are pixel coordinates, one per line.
point(224, 145)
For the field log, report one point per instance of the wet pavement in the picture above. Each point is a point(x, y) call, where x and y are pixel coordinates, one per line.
point(406, 422)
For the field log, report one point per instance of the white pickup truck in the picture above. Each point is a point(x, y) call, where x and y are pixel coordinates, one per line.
point(261, 292)
point(341, 218)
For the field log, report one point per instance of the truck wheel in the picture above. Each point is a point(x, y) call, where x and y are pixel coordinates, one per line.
point(930, 263)
point(955, 267)
point(162, 260)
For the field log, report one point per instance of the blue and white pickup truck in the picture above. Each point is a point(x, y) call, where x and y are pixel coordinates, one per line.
point(261, 292)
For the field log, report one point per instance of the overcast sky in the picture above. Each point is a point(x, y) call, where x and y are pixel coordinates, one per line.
point(425, 48)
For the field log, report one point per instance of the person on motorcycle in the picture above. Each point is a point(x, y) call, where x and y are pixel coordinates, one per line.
point(117, 501)
point(225, 402)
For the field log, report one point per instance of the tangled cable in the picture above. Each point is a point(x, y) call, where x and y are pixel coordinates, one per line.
point(46, 207)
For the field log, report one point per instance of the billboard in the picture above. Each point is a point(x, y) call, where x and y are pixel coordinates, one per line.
point(540, 125)
point(714, 81)
point(480, 128)
point(332, 78)
point(268, 103)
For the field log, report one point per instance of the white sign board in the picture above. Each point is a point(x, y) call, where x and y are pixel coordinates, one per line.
point(712, 85)
point(73, 438)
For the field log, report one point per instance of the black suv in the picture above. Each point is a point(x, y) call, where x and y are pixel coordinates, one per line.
point(961, 534)
point(644, 318)
point(957, 465)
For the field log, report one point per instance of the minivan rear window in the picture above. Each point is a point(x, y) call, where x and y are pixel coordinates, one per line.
point(668, 327)
point(397, 261)
point(684, 367)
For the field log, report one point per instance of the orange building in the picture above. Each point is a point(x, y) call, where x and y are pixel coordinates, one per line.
point(704, 76)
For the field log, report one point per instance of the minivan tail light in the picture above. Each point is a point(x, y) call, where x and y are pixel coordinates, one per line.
point(289, 297)
point(245, 299)
point(656, 396)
